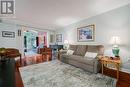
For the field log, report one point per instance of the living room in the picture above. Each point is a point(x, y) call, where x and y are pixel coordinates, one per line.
point(66, 32)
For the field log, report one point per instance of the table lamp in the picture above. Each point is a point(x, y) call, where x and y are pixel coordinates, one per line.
point(66, 43)
point(115, 48)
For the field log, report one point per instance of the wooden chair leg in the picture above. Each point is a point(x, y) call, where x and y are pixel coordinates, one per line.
point(20, 60)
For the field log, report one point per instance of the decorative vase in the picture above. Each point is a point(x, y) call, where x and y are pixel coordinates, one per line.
point(2, 54)
point(116, 51)
point(2, 50)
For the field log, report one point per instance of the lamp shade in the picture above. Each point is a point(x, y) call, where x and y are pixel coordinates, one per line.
point(115, 41)
point(66, 44)
point(66, 41)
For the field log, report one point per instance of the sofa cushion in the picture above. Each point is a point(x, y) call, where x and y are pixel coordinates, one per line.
point(81, 59)
point(92, 48)
point(72, 47)
point(65, 56)
point(70, 52)
point(96, 49)
point(75, 57)
point(81, 50)
point(90, 54)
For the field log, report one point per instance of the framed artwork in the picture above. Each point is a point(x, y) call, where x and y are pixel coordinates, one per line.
point(86, 33)
point(51, 38)
point(8, 34)
point(58, 37)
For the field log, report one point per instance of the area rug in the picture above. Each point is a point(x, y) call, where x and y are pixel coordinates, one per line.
point(58, 74)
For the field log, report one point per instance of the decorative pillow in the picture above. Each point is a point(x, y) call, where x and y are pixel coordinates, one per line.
point(72, 47)
point(70, 52)
point(90, 54)
point(81, 50)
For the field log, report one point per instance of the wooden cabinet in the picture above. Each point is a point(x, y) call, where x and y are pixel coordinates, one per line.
point(46, 54)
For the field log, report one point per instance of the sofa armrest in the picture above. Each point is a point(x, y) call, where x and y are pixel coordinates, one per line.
point(61, 52)
point(96, 65)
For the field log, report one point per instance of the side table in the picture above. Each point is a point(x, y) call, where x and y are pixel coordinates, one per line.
point(107, 61)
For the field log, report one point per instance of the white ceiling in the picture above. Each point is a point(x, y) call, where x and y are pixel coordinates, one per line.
point(52, 14)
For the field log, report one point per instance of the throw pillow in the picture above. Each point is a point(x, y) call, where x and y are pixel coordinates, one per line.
point(90, 54)
point(81, 50)
point(70, 52)
point(72, 47)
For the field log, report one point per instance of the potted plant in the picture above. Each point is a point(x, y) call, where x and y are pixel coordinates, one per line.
point(2, 50)
point(2, 54)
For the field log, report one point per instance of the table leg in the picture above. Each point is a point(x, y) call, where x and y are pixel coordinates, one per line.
point(117, 73)
point(20, 60)
point(117, 65)
point(102, 67)
point(47, 57)
point(43, 57)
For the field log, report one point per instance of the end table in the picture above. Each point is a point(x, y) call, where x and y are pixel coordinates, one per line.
point(105, 61)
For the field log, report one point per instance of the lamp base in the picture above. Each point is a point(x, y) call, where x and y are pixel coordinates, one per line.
point(117, 56)
point(116, 51)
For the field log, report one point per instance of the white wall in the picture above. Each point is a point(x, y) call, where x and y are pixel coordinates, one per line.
point(18, 41)
point(8, 42)
point(112, 23)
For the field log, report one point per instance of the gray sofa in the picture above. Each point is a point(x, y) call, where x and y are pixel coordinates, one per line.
point(77, 59)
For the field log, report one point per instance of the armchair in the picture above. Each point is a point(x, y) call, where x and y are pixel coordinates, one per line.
point(13, 53)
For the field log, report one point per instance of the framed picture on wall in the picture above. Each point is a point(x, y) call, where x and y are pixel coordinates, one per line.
point(51, 38)
point(86, 33)
point(8, 34)
point(58, 37)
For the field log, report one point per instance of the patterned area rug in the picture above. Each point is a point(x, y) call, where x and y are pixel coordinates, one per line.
point(57, 74)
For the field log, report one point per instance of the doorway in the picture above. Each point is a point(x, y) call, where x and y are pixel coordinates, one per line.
point(30, 42)
point(34, 40)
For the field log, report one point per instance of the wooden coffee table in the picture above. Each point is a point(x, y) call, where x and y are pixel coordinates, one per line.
point(112, 63)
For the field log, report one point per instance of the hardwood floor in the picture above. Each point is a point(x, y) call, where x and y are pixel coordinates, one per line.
point(25, 62)
point(124, 78)
point(18, 79)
